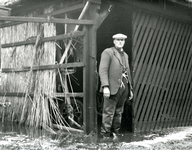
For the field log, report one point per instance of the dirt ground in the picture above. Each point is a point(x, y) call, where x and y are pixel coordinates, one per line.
point(169, 139)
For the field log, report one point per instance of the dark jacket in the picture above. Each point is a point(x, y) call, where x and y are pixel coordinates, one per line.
point(111, 68)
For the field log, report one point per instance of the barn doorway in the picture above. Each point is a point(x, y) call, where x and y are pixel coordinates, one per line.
point(119, 20)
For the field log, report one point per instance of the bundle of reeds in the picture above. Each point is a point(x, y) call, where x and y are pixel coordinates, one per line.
point(40, 109)
point(14, 57)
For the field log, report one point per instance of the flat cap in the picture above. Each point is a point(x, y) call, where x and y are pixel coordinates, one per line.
point(119, 36)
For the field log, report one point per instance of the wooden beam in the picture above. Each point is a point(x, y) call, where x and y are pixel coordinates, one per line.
point(90, 73)
point(46, 20)
point(68, 95)
point(14, 94)
point(53, 38)
point(54, 13)
point(21, 94)
point(43, 67)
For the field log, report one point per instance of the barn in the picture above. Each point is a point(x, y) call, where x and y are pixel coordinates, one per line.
point(50, 52)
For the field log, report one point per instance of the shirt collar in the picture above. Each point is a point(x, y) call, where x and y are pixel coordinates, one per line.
point(120, 50)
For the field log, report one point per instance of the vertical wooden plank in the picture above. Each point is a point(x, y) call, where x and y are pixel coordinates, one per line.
point(147, 51)
point(189, 114)
point(145, 30)
point(188, 82)
point(137, 17)
point(139, 48)
point(90, 123)
point(151, 73)
point(180, 101)
point(176, 64)
point(159, 88)
point(185, 79)
point(174, 74)
point(160, 45)
point(181, 80)
point(172, 78)
point(90, 73)
point(138, 40)
point(0, 62)
point(164, 81)
point(158, 76)
point(184, 91)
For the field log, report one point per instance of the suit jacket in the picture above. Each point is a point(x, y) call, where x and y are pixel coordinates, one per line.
point(111, 68)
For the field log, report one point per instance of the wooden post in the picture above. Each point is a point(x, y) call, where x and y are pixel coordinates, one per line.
point(90, 73)
point(0, 62)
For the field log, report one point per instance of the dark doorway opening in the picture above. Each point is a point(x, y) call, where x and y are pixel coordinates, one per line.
point(119, 20)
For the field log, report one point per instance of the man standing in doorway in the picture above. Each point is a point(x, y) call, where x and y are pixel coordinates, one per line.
point(116, 85)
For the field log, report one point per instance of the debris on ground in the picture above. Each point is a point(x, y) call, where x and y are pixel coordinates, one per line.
point(168, 139)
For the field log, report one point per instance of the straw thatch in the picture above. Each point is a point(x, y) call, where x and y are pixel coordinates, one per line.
point(36, 111)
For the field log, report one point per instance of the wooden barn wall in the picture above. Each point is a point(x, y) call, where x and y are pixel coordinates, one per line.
point(162, 51)
point(22, 109)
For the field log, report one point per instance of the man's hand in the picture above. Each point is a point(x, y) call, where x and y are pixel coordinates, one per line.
point(106, 92)
point(131, 95)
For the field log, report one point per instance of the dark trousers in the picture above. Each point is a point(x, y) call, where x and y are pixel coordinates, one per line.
point(112, 110)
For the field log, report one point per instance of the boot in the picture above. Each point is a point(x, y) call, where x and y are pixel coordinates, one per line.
point(116, 135)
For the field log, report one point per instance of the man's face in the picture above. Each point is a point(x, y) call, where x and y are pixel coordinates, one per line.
point(119, 43)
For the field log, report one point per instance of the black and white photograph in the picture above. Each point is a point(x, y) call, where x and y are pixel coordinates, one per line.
point(95, 74)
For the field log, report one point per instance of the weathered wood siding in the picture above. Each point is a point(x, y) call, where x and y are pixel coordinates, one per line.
point(162, 50)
